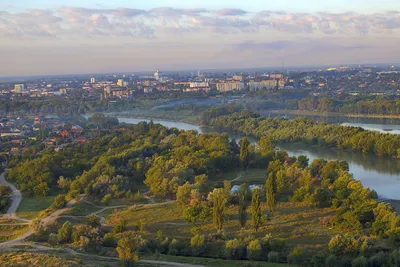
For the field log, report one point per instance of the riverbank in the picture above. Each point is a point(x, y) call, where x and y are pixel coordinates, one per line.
point(184, 116)
point(328, 114)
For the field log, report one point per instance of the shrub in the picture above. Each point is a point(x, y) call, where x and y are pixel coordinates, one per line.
point(297, 256)
point(331, 261)
point(164, 245)
point(174, 248)
point(109, 241)
point(359, 262)
point(318, 260)
point(65, 232)
point(377, 260)
point(197, 244)
point(394, 258)
point(273, 256)
point(254, 250)
point(234, 250)
point(53, 239)
point(58, 203)
point(106, 200)
point(119, 227)
point(93, 221)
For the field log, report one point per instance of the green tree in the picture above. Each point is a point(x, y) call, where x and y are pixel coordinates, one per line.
point(65, 232)
point(197, 243)
point(183, 194)
point(244, 152)
point(243, 205)
point(59, 202)
point(270, 194)
point(219, 201)
point(127, 250)
point(93, 221)
point(37, 226)
point(256, 213)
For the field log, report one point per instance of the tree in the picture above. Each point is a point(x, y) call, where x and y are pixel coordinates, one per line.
point(256, 213)
point(244, 152)
point(64, 183)
point(59, 202)
point(303, 161)
point(37, 226)
point(270, 194)
point(266, 146)
point(41, 190)
point(243, 205)
point(183, 194)
point(93, 221)
point(65, 232)
point(127, 248)
point(219, 201)
point(197, 243)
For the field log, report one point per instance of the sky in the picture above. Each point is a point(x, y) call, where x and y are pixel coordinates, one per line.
point(46, 37)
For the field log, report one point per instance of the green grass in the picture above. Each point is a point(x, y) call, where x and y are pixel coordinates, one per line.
point(251, 176)
point(298, 224)
point(10, 232)
point(211, 262)
point(82, 209)
point(30, 207)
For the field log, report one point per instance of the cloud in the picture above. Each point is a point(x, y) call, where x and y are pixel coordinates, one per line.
point(230, 12)
point(69, 21)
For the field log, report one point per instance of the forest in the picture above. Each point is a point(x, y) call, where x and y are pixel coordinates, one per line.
point(304, 130)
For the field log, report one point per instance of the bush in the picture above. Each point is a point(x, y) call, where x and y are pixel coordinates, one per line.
point(331, 261)
point(106, 200)
point(234, 250)
point(359, 262)
point(109, 241)
point(394, 258)
point(197, 243)
point(53, 239)
point(297, 256)
point(164, 245)
point(273, 256)
point(93, 221)
point(254, 250)
point(119, 227)
point(65, 232)
point(318, 260)
point(174, 248)
point(378, 260)
point(58, 203)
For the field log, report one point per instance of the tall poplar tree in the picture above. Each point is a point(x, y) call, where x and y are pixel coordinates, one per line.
point(270, 192)
point(244, 152)
point(243, 205)
point(256, 214)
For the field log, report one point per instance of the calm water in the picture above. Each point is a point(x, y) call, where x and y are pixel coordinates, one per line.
point(380, 174)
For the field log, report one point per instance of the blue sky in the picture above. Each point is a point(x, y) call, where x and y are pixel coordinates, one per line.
point(89, 36)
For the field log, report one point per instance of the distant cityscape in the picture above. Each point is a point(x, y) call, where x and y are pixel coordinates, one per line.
point(342, 80)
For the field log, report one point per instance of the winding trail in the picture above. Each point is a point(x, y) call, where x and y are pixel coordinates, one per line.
point(16, 198)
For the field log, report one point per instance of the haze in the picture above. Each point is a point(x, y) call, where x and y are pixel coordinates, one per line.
point(61, 37)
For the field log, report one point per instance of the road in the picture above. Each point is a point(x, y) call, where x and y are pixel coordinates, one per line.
point(16, 197)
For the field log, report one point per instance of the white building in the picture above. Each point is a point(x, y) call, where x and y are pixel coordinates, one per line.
point(198, 84)
point(230, 86)
point(19, 88)
point(92, 80)
point(268, 84)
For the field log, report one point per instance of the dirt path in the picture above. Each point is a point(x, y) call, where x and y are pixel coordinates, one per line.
point(238, 177)
point(16, 197)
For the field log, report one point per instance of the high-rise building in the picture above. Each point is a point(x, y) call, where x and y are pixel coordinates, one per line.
point(120, 82)
point(92, 80)
point(230, 86)
point(19, 88)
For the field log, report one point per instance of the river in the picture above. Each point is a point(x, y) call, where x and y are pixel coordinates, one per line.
point(379, 174)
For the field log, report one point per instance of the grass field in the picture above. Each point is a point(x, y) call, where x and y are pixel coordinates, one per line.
point(8, 232)
point(212, 262)
point(30, 207)
point(296, 223)
point(251, 176)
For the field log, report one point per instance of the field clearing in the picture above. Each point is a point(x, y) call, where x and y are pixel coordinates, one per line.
point(213, 262)
point(251, 176)
point(31, 207)
point(298, 224)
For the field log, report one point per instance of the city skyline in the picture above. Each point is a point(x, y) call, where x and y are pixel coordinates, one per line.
point(71, 37)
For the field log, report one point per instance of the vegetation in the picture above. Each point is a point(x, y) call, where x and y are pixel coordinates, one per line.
point(305, 130)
